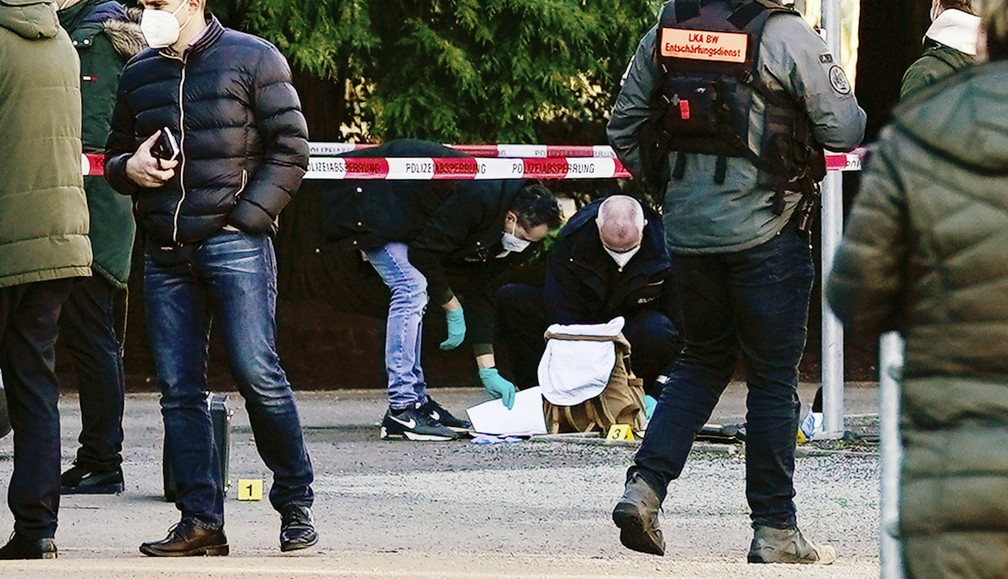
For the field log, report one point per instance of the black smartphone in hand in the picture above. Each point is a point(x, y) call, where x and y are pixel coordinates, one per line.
point(165, 148)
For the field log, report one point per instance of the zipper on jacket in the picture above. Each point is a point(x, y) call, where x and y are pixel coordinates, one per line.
point(181, 165)
point(244, 181)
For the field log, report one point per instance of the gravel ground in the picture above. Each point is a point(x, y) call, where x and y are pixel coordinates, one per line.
point(389, 509)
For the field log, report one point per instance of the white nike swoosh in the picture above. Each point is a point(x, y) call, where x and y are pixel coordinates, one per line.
point(411, 424)
point(435, 415)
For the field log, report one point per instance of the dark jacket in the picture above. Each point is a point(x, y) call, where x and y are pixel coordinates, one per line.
point(244, 140)
point(445, 223)
point(924, 253)
point(105, 38)
point(937, 62)
point(43, 212)
point(584, 286)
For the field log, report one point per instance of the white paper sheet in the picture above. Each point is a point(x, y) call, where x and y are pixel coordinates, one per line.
point(524, 419)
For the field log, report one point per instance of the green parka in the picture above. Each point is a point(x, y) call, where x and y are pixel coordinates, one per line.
point(105, 38)
point(937, 62)
point(925, 253)
point(43, 211)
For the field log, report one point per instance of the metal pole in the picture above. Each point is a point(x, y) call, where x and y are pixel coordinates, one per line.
point(832, 230)
point(891, 453)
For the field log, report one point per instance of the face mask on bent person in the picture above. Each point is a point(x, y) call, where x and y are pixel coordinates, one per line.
point(622, 258)
point(512, 242)
point(160, 28)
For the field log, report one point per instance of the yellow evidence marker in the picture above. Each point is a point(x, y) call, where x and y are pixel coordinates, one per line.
point(620, 432)
point(250, 489)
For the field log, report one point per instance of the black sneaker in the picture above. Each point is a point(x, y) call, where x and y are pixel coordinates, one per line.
point(439, 414)
point(18, 548)
point(83, 480)
point(413, 424)
point(5, 424)
point(297, 528)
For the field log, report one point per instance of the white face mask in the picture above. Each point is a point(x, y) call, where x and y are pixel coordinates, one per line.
point(623, 258)
point(512, 242)
point(160, 28)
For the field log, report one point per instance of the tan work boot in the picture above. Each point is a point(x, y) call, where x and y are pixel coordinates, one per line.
point(636, 514)
point(771, 545)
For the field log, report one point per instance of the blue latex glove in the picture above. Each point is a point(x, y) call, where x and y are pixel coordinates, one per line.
point(649, 405)
point(497, 386)
point(456, 329)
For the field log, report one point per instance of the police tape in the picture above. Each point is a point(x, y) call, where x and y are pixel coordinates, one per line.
point(539, 162)
point(500, 150)
point(92, 164)
point(463, 168)
point(834, 161)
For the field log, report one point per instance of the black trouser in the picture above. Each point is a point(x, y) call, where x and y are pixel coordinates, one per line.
point(87, 327)
point(29, 317)
point(521, 313)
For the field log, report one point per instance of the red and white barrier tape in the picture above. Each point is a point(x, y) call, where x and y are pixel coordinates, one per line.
point(464, 168)
point(92, 164)
point(489, 162)
point(845, 161)
point(834, 161)
point(509, 151)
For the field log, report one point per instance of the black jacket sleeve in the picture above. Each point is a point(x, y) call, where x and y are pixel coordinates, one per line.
point(563, 306)
point(669, 302)
point(479, 302)
point(448, 230)
point(285, 136)
point(120, 146)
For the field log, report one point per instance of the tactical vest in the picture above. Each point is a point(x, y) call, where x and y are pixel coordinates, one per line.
point(708, 52)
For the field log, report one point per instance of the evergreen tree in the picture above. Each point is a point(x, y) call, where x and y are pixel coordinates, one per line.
point(458, 70)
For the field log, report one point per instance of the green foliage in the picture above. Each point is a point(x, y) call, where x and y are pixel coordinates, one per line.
point(329, 38)
point(459, 70)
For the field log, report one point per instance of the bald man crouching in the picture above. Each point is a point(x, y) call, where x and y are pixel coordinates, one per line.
point(609, 260)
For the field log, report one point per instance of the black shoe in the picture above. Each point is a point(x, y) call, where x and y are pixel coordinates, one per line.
point(636, 514)
point(189, 538)
point(297, 529)
point(439, 414)
point(82, 480)
point(413, 425)
point(18, 548)
point(5, 424)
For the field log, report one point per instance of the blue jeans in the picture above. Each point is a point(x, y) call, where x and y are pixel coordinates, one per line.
point(230, 276)
point(754, 302)
point(406, 385)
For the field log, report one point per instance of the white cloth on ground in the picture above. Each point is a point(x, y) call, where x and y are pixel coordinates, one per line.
point(572, 371)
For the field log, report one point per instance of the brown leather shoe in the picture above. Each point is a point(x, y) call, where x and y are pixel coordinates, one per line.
point(636, 514)
point(770, 545)
point(189, 538)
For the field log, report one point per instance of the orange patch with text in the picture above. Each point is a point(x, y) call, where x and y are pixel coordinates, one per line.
point(704, 45)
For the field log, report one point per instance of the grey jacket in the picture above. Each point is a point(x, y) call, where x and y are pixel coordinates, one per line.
point(701, 216)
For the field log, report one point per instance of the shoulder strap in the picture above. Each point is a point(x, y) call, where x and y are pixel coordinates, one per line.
point(686, 9)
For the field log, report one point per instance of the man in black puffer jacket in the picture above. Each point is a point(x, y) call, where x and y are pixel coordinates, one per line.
point(208, 216)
